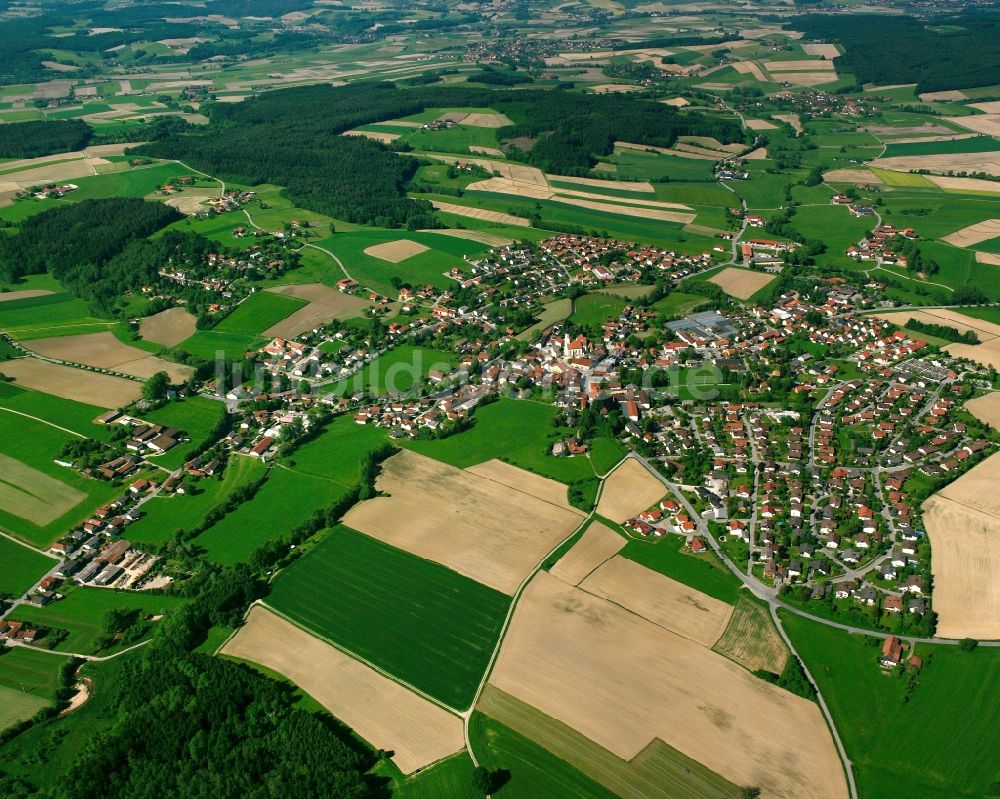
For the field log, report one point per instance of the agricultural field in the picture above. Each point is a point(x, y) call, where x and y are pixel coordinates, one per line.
point(324, 304)
point(740, 283)
point(47, 315)
point(617, 678)
point(597, 544)
point(605, 453)
point(28, 672)
point(75, 416)
point(22, 567)
point(751, 639)
point(67, 382)
point(373, 600)
point(628, 491)
point(943, 753)
point(593, 310)
point(493, 534)
point(704, 572)
point(41, 499)
point(17, 705)
point(395, 372)
point(382, 712)
point(105, 351)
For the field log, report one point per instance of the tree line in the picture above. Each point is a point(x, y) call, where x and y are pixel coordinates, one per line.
point(292, 138)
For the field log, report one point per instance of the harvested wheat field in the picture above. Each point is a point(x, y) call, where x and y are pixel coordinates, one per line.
point(676, 102)
point(609, 88)
point(822, 50)
point(712, 144)
point(659, 599)
point(751, 639)
point(852, 176)
point(987, 353)
point(943, 316)
point(596, 545)
point(396, 251)
point(23, 294)
point(988, 163)
point(536, 191)
point(945, 96)
point(483, 529)
point(189, 201)
point(33, 495)
point(752, 69)
point(760, 154)
point(791, 119)
point(493, 151)
point(487, 120)
point(974, 234)
point(809, 65)
point(104, 391)
point(987, 258)
point(169, 327)
point(740, 283)
point(104, 351)
point(526, 482)
point(628, 491)
point(965, 562)
point(986, 408)
point(623, 681)
point(964, 184)
point(481, 213)
point(325, 304)
point(760, 124)
point(383, 712)
point(627, 210)
point(619, 185)
point(374, 135)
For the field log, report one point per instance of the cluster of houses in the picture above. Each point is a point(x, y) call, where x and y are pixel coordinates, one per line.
point(878, 246)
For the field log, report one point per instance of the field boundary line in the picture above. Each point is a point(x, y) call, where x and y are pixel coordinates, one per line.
point(357, 657)
point(44, 421)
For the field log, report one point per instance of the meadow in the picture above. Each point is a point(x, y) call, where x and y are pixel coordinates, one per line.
point(593, 310)
point(397, 371)
point(33, 673)
point(57, 314)
point(35, 444)
point(605, 454)
point(17, 705)
point(335, 453)
point(923, 745)
point(517, 431)
point(258, 312)
point(285, 500)
point(678, 303)
point(81, 614)
point(137, 182)
point(22, 567)
point(163, 515)
point(451, 777)
point(976, 144)
point(417, 620)
point(72, 415)
point(195, 416)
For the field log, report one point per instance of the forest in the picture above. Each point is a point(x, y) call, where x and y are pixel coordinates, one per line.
point(87, 246)
point(291, 138)
point(952, 52)
point(43, 137)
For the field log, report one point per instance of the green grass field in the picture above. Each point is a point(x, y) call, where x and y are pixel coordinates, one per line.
point(534, 772)
point(57, 314)
point(165, 514)
point(451, 778)
point(35, 445)
point(518, 431)
point(208, 344)
point(16, 705)
point(551, 312)
point(904, 179)
point(22, 567)
point(605, 453)
point(703, 572)
point(397, 371)
point(593, 310)
point(976, 144)
point(336, 452)
point(27, 671)
point(678, 304)
point(942, 742)
point(81, 614)
point(420, 621)
point(132, 183)
point(258, 312)
point(284, 501)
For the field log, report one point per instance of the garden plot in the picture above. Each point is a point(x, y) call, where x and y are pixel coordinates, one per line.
point(380, 710)
point(740, 283)
point(396, 251)
point(325, 304)
point(169, 327)
point(104, 351)
point(622, 681)
point(963, 521)
point(74, 384)
point(598, 544)
point(628, 491)
point(483, 529)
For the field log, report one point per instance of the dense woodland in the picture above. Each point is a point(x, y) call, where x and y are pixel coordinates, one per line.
point(291, 138)
point(87, 246)
point(43, 137)
point(944, 53)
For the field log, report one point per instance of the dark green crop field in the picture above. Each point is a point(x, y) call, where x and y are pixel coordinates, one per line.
point(419, 621)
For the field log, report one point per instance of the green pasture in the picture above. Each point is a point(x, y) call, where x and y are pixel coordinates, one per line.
point(593, 310)
point(397, 371)
point(22, 568)
point(72, 415)
point(425, 624)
